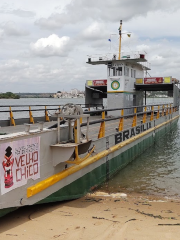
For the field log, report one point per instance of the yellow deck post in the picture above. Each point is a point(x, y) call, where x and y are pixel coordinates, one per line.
point(46, 115)
point(102, 127)
point(163, 110)
point(11, 117)
point(31, 119)
point(76, 141)
point(167, 110)
point(121, 121)
point(135, 118)
point(152, 113)
point(144, 115)
point(170, 110)
point(157, 117)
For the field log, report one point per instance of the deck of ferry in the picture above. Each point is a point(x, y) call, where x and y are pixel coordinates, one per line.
point(101, 124)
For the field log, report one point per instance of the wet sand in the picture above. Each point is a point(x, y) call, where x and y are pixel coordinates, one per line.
point(96, 216)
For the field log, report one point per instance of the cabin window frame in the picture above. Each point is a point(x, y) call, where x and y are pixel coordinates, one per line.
point(126, 71)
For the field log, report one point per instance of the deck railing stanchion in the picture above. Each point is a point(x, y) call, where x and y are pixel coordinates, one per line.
point(121, 121)
point(76, 137)
point(157, 117)
point(170, 108)
point(162, 110)
point(11, 117)
point(144, 115)
point(102, 127)
point(152, 113)
point(135, 118)
point(46, 115)
point(167, 110)
point(31, 119)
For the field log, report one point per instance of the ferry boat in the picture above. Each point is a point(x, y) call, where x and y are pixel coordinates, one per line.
point(85, 148)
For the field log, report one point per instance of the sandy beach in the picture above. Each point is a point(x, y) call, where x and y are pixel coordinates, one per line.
point(96, 216)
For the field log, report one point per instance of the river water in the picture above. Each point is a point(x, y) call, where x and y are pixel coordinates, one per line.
point(155, 172)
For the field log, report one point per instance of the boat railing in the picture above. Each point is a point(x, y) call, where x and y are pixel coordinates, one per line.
point(114, 56)
point(21, 114)
point(141, 115)
point(102, 124)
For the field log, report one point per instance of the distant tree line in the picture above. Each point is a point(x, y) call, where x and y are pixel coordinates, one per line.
point(9, 95)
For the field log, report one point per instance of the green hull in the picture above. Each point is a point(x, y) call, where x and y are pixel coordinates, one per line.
point(6, 211)
point(99, 175)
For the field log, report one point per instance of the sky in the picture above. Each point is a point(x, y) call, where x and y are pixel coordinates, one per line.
point(44, 45)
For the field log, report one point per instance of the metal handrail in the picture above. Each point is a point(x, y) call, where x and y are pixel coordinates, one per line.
point(161, 107)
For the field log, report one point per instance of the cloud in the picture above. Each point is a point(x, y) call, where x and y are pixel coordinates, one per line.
point(51, 46)
point(11, 29)
point(7, 9)
point(105, 10)
point(19, 76)
point(23, 13)
point(95, 31)
point(1, 34)
point(13, 64)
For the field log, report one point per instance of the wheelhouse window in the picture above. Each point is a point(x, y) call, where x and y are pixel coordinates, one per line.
point(109, 71)
point(133, 73)
point(119, 71)
point(126, 71)
point(114, 71)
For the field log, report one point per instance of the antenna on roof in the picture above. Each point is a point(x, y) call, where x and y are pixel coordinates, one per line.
point(120, 28)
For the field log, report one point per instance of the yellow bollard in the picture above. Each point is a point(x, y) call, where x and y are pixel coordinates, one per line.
point(102, 127)
point(121, 121)
point(157, 117)
point(46, 115)
point(152, 113)
point(31, 119)
point(144, 115)
point(11, 117)
point(135, 118)
point(163, 110)
point(170, 110)
point(167, 110)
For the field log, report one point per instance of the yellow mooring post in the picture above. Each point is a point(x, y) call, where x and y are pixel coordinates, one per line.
point(152, 113)
point(102, 127)
point(11, 117)
point(163, 110)
point(60, 112)
point(135, 118)
point(76, 141)
point(157, 117)
point(121, 121)
point(167, 110)
point(31, 119)
point(46, 115)
point(144, 115)
point(170, 110)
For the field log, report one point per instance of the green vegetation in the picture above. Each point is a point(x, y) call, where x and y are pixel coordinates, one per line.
point(9, 95)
